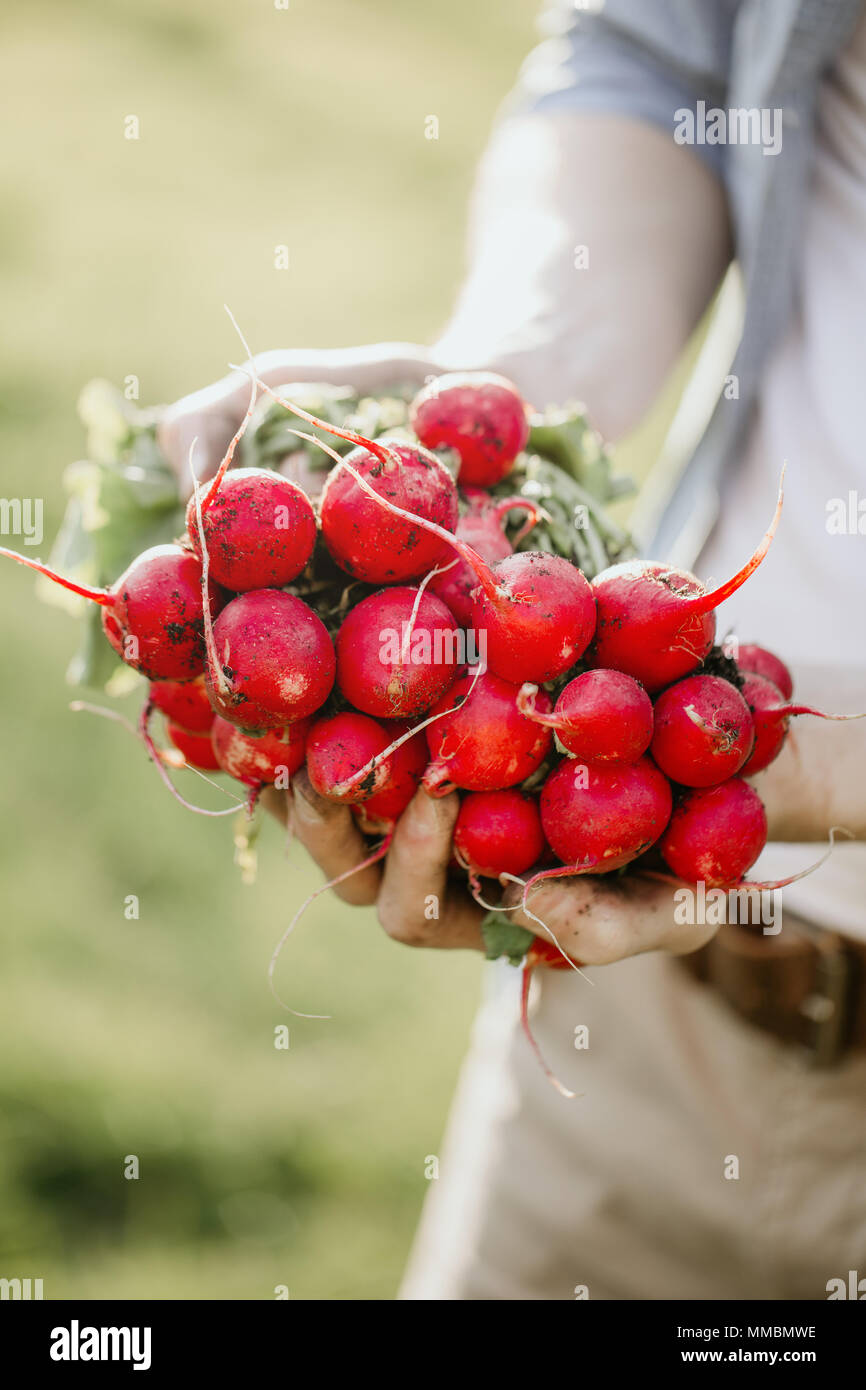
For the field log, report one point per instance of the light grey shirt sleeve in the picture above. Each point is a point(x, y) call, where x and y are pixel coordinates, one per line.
point(645, 59)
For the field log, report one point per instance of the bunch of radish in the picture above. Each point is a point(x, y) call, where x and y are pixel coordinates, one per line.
point(398, 630)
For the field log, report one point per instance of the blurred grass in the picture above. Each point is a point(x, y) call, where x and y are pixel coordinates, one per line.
point(155, 1037)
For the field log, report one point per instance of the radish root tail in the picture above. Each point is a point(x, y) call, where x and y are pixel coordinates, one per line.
point(525, 983)
point(704, 603)
point(154, 752)
point(377, 854)
point(101, 596)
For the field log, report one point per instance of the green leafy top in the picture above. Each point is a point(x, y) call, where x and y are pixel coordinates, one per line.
point(121, 499)
point(568, 471)
point(271, 436)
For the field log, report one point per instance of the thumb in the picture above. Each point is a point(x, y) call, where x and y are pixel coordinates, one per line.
point(212, 427)
point(213, 414)
point(416, 903)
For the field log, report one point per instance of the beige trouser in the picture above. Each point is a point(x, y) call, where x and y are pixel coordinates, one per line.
point(624, 1190)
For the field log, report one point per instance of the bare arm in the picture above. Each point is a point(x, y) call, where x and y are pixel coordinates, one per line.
point(654, 223)
point(596, 246)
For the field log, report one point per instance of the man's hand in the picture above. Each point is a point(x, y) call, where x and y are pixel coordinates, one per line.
point(415, 901)
point(596, 920)
point(213, 414)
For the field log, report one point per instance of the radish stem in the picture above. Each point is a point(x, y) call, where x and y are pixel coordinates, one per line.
point(526, 884)
point(230, 451)
point(101, 596)
point(525, 982)
point(703, 603)
point(377, 854)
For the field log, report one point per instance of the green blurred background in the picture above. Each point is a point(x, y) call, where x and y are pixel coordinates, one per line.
point(155, 1037)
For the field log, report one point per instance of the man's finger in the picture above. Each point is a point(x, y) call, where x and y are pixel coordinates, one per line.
point(329, 834)
point(598, 919)
point(416, 903)
point(564, 909)
point(277, 803)
point(211, 427)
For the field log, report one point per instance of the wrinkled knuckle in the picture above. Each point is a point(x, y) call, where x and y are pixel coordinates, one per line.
point(559, 908)
point(430, 836)
point(320, 821)
point(412, 835)
point(395, 924)
point(607, 942)
point(544, 901)
point(343, 840)
point(355, 894)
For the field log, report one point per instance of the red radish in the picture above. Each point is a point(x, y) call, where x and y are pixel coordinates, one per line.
point(767, 664)
point(480, 415)
point(364, 772)
point(340, 746)
point(197, 749)
point(152, 615)
point(275, 755)
point(765, 700)
point(367, 540)
point(715, 834)
point(486, 744)
point(378, 814)
point(538, 621)
point(158, 612)
point(539, 605)
point(397, 652)
point(599, 816)
point(498, 832)
point(600, 716)
point(277, 661)
point(771, 714)
point(260, 530)
point(185, 703)
point(542, 952)
point(704, 731)
point(657, 623)
point(482, 529)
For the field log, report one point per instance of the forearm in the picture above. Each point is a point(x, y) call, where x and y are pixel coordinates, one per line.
point(596, 245)
point(819, 778)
